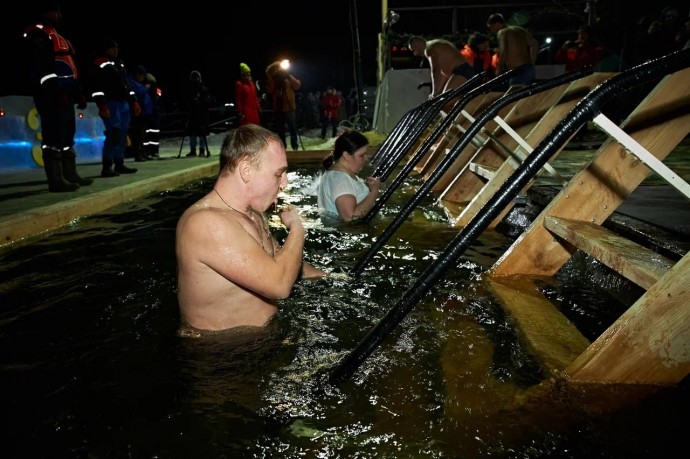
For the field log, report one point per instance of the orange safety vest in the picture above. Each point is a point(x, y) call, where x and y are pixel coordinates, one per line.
point(65, 66)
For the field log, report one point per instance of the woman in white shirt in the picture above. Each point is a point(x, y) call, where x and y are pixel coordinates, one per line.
point(341, 193)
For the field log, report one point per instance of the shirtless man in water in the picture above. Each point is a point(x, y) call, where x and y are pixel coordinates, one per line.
point(231, 271)
point(517, 49)
point(449, 69)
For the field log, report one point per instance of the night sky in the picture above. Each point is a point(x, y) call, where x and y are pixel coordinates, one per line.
point(171, 42)
point(176, 38)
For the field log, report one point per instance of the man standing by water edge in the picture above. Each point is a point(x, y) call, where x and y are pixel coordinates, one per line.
point(55, 84)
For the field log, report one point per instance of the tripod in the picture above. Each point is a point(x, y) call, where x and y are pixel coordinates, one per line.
point(203, 146)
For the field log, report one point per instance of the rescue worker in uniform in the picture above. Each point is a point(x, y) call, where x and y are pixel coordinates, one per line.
point(56, 89)
point(117, 103)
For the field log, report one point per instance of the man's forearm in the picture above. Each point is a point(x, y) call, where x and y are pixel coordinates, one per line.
point(310, 272)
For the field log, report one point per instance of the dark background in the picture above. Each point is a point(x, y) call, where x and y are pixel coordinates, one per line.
point(320, 38)
point(172, 40)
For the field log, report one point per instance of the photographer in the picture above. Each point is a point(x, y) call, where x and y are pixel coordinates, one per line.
point(282, 86)
point(198, 102)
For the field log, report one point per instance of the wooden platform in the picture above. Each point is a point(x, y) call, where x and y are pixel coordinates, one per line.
point(649, 345)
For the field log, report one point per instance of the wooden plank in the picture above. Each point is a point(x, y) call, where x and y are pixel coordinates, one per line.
point(470, 150)
point(308, 156)
point(650, 342)
point(453, 134)
point(570, 97)
point(435, 123)
point(457, 184)
point(596, 192)
point(549, 335)
point(486, 172)
point(633, 261)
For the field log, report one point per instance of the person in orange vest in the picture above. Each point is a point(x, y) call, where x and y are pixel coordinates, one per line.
point(476, 52)
point(246, 98)
point(56, 88)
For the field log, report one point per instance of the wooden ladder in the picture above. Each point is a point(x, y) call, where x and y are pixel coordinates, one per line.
point(486, 171)
point(650, 343)
point(454, 132)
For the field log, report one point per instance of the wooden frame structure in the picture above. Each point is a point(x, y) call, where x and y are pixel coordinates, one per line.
point(650, 343)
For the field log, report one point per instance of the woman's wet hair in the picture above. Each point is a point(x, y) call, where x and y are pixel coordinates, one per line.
point(349, 141)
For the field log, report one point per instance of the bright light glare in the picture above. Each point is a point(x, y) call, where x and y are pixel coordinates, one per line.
point(285, 64)
point(548, 40)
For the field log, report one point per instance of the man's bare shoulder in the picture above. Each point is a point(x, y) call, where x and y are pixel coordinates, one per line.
point(515, 31)
point(196, 210)
point(439, 45)
point(202, 215)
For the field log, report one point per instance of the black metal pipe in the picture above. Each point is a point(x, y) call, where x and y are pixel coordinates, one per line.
point(585, 110)
point(394, 136)
point(429, 141)
point(411, 118)
point(454, 152)
point(470, 86)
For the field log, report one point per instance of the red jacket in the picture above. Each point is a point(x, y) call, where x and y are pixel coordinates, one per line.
point(578, 55)
point(330, 104)
point(247, 102)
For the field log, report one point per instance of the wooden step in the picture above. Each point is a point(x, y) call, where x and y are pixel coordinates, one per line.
point(550, 337)
point(486, 172)
point(639, 264)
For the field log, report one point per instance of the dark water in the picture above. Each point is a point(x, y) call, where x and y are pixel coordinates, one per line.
point(91, 367)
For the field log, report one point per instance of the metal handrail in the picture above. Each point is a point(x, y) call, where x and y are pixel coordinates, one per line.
point(585, 110)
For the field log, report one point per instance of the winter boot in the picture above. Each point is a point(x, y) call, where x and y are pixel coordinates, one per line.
point(120, 167)
point(191, 153)
point(141, 155)
point(52, 162)
point(107, 170)
point(69, 168)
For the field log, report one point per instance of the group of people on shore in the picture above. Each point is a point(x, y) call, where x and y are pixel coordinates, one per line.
point(128, 102)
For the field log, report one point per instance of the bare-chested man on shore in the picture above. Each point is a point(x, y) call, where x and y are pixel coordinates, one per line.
point(449, 69)
point(517, 49)
point(231, 270)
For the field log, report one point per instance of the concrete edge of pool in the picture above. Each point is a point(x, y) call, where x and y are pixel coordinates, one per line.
point(28, 210)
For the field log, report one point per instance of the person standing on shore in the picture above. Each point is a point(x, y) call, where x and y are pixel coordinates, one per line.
point(246, 97)
point(117, 103)
point(282, 86)
point(56, 89)
point(198, 101)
